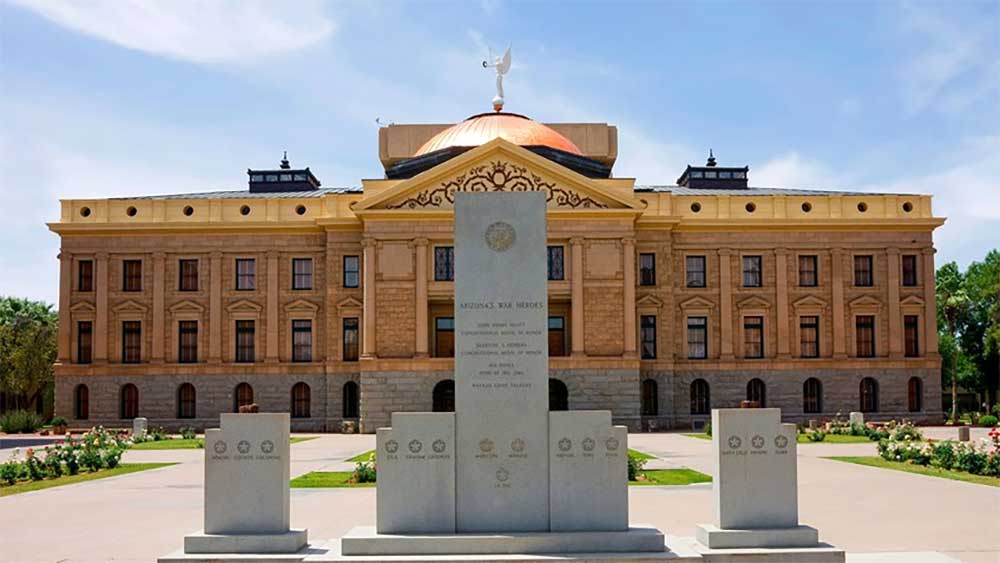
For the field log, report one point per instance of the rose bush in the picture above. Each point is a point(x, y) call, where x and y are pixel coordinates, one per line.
point(95, 450)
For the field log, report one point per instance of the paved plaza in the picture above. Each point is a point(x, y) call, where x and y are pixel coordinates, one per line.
point(864, 510)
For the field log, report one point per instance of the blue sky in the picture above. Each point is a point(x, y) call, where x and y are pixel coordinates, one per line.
point(112, 98)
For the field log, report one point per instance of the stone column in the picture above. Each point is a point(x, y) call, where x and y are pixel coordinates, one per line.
point(781, 294)
point(159, 338)
point(628, 248)
point(271, 355)
point(368, 324)
point(837, 270)
point(101, 304)
point(422, 342)
point(215, 309)
point(895, 320)
point(576, 341)
point(930, 306)
point(726, 304)
point(65, 287)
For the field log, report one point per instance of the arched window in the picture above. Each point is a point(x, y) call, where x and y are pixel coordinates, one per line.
point(349, 397)
point(243, 396)
point(444, 396)
point(650, 398)
point(558, 396)
point(869, 395)
point(129, 401)
point(186, 401)
point(301, 396)
point(701, 401)
point(81, 402)
point(915, 394)
point(812, 396)
point(757, 392)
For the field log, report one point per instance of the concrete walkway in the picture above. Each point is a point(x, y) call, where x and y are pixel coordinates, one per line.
point(864, 510)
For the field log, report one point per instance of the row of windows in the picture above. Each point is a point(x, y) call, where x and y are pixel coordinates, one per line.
point(444, 336)
point(246, 274)
point(756, 391)
point(187, 404)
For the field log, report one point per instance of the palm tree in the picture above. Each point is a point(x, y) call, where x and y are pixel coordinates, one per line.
point(953, 303)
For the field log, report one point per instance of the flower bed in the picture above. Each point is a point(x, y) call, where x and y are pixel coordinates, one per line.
point(96, 450)
point(893, 431)
point(982, 458)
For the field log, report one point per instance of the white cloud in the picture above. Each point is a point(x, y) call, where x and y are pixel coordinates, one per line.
point(792, 170)
point(194, 30)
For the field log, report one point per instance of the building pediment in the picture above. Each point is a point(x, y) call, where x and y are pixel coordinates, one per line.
point(83, 307)
point(243, 306)
point(865, 301)
point(912, 300)
point(754, 302)
point(809, 301)
point(129, 306)
point(350, 303)
point(649, 301)
point(300, 305)
point(497, 166)
point(697, 303)
point(186, 306)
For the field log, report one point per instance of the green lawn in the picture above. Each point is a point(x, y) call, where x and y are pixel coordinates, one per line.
point(192, 443)
point(123, 469)
point(803, 439)
point(326, 480)
point(875, 461)
point(671, 477)
point(634, 453)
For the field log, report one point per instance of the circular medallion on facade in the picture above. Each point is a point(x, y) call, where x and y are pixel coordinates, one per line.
point(500, 236)
point(611, 444)
point(565, 444)
point(243, 447)
point(392, 446)
point(781, 442)
point(439, 446)
point(415, 446)
point(220, 447)
point(486, 446)
point(588, 444)
point(503, 475)
point(517, 445)
point(757, 442)
point(735, 442)
point(267, 446)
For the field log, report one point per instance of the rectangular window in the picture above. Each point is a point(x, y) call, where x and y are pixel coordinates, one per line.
point(909, 270)
point(647, 330)
point(187, 334)
point(697, 337)
point(352, 271)
point(84, 342)
point(808, 271)
point(245, 342)
point(753, 337)
point(557, 336)
point(302, 340)
point(556, 270)
point(647, 268)
point(188, 275)
point(246, 274)
point(444, 337)
point(752, 271)
point(85, 275)
point(444, 263)
point(131, 342)
point(694, 267)
point(351, 339)
point(809, 333)
point(302, 273)
point(863, 271)
point(864, 328)
point(911, 333)
point(131, 275)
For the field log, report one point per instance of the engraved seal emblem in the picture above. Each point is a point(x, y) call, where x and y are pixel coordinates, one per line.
point(735, 442)
point(757, 442)
point(243, 447)
point(220, 447)
point(565, 444)
point(415, 446)
point(438, 446)
point(503, 475)
point(781, 442)
point(500, 236)
point(588, 444)
point(267, 446)
point(517, 445)
point(392, 446)
point(611, 444)
point(486, 446)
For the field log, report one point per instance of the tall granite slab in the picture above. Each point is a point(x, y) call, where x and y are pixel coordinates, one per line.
point(588, 465)
point(501, 362)
point(416, 474)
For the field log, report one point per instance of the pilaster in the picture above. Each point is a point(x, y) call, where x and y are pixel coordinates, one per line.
point(725, 304)
point(422, 343)
point(271, 344)
point(577, 345)
point(895, 320)
point(101, 304)
point(215, 308)
point(159, 259)
point(781, 298)
point(837, 271)
point(65, 288)
point(368, 324)
point(629, 332)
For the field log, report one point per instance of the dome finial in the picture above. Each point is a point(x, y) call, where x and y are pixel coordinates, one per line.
point(284, 161)
point(711, 158)
point(502, 64)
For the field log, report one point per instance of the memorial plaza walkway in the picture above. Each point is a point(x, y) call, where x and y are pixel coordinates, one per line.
point(874, 514)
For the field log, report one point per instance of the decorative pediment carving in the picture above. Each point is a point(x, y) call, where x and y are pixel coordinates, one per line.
point(187, 306)
point(915, 300)
point(302, 305)
point(809, 302)
point(129, 306)
point(648, 301)
point(349, 303)
point(754, 302)
point(243, 306)
point(697, 303)
point(83, 307)
point(865, 302)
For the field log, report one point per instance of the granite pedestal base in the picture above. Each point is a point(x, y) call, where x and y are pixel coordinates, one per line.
point(291, 541)
point(714, 537)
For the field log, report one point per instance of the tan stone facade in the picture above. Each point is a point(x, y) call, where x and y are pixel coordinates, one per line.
point(394, 229)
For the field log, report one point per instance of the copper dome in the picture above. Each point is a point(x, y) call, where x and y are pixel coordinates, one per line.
point(481, 129)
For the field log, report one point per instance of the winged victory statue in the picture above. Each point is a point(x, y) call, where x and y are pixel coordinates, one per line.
point(502, 65)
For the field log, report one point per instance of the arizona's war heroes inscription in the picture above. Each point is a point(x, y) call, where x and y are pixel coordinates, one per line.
point(501, 362)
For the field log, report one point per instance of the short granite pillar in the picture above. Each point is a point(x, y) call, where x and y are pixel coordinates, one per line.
point(963, 434)
point(139, 428)
point(857, 418)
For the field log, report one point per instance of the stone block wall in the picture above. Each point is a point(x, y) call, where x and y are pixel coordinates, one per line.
point(386, 392)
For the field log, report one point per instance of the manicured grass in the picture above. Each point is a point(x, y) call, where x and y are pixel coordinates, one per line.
point(803, 439)
point(363, 456)
point(192, 443)
point(671, 477)
point(326, 480)
point(875, 461)
point(636, 454)
point(633, 453)
point(123, 469)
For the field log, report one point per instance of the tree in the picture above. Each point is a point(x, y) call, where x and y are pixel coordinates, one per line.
point(981, 330)
point(28, 342)
point(953, 304)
